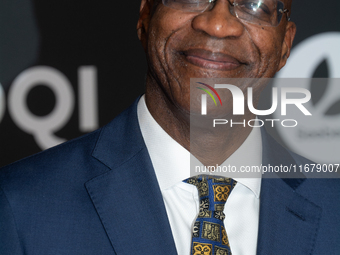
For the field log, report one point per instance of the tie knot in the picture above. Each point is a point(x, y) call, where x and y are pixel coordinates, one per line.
point(213, 192)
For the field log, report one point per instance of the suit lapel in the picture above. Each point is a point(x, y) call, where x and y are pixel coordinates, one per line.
point(127, 197)
point(288, 221)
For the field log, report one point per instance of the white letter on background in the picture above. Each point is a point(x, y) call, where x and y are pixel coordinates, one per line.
point(42, 128)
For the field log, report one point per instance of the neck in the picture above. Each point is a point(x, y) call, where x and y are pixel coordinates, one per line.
point(210, 146)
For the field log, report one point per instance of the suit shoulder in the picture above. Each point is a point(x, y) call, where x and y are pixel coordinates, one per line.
point(67, 156)
point(74, 162)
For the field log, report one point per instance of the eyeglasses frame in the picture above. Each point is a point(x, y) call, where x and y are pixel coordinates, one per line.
point(284, 11)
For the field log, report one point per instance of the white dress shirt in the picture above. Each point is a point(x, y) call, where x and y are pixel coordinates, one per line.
point(172, 165)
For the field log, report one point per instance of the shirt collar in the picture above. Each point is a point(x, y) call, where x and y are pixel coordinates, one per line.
point(171, 161)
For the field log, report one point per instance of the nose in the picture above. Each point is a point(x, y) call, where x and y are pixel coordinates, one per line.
point(219, 22)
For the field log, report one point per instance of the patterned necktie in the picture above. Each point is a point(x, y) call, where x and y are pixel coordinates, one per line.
point(209, 236)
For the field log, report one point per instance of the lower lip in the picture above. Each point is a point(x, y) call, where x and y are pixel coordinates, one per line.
point(210, 64)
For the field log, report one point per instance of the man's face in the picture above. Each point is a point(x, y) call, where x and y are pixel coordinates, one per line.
point(212, 44)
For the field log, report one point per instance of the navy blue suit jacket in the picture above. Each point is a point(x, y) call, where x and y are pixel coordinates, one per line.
point(98, 194)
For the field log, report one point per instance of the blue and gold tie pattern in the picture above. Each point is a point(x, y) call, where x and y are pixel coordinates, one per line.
point(209, 236)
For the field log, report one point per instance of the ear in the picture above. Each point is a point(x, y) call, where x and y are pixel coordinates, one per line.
point(143, 21)
point(287, 43)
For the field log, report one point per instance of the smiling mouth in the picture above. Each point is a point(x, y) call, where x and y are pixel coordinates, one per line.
point(211, 60)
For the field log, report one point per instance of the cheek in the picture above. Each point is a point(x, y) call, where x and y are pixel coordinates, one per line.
point(165, 27)
point(163, 24)
point(167, 21)
point(269, 45)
